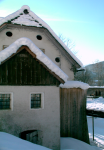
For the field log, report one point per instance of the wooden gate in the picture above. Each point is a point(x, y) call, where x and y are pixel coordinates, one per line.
point(73, 121)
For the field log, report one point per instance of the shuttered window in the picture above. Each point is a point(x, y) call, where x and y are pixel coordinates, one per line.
point(5, 101)
point(35, 100)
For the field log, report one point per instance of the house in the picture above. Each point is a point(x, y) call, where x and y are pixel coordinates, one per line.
point(95, 91)
point(33, 63)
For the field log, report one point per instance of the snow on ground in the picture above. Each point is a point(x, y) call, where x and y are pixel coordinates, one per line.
point(74, 144)
point(96, 104)
point(10, 142)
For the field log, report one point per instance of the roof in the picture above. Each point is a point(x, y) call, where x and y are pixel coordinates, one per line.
point(9, 51)
point(25, 16)
point(75, 84)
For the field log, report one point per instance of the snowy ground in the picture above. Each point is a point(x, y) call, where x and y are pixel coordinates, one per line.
point(96, 104)
point(10, 142)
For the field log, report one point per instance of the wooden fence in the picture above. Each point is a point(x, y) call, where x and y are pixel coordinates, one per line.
point(73, 119)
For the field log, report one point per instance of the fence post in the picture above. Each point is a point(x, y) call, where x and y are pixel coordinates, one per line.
point(93, 126)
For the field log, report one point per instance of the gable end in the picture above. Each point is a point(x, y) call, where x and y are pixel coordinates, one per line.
point(23, 68)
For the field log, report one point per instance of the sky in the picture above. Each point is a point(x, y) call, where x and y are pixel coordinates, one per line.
point(81, 21)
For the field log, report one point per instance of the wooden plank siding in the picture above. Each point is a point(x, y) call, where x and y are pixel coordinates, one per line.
point(73, 121)
point(24, 69)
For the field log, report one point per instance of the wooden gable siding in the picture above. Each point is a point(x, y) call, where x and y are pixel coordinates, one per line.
point(23, 69)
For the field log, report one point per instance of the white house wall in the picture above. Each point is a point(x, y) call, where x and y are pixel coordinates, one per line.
point(50, 49)
point(22, 117)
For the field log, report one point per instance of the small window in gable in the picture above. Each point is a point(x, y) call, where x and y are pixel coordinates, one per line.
point(39, 37)
point(43, 50)
point(25, 11)
point(36, 100)
point(9, 33)
point(5, 101)
point(57, 59)
point(5, 46)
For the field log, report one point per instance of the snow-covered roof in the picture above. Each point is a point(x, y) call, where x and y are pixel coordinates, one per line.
point(96, 87)
point(75, 84)
point(29, 18)
point(39, 55)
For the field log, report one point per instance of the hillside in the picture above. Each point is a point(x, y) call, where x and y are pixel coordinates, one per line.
point(94, 74)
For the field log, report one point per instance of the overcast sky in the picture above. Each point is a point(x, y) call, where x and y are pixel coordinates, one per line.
point(80, 20)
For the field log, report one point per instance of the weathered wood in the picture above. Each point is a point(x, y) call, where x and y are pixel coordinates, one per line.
point(94, 113)
point(24, 69)
point(73, 121)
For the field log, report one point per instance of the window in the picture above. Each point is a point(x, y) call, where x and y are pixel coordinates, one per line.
point(25, 11)
point(5, 101)
point(9, 34)
point(5, 46)
point(39, 37)
point(36, 100)
point(57, 59)
point(43, 50)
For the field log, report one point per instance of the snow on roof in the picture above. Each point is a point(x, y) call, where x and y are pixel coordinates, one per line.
point(29, 18)
point(39, 54)
point(75, 84)
point(11, 142)
point(96, 87)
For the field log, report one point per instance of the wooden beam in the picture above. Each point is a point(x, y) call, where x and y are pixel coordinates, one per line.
point(95, 113)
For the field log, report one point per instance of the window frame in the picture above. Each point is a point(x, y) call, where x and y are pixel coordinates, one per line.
point(11, 101)
point(5, 46)
point(42, 101)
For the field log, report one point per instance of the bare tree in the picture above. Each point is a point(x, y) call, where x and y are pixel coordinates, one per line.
point(84, 76)
point(68, 42)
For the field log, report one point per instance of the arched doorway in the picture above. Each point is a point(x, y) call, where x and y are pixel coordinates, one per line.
point(30, 135)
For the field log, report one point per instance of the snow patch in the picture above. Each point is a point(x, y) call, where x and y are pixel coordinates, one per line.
point(95, 104)
point(39, 54)
point(75, 84)
point(74, 144)
point(25, 7)
point(102, 87)
point(10, 142)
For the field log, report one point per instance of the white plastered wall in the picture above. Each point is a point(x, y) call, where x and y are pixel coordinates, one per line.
point(22, 118)
point(50, 49)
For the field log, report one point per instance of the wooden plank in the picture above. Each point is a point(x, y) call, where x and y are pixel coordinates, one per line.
point(94, 113)
point(9, 73)
point(0, 75)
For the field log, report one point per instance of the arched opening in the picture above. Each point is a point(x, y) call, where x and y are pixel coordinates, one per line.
point(30, 135)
